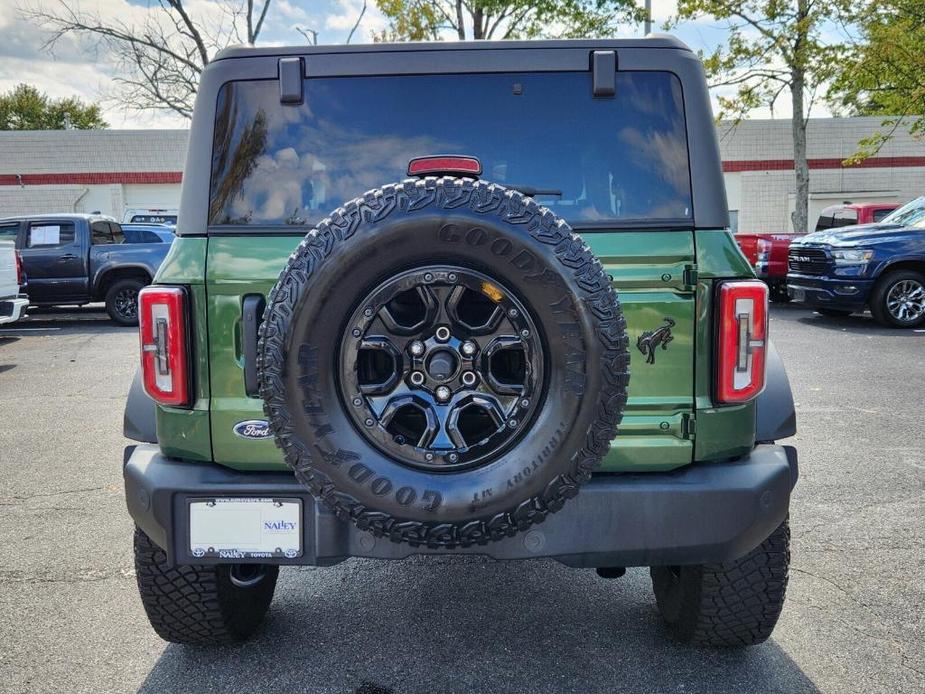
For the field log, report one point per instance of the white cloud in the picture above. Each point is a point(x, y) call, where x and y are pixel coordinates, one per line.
point(344, 17)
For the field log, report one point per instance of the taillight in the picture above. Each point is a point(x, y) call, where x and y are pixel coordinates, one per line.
point(743, 340)
point(20, 280)
point(445, 164)
point(162, 323)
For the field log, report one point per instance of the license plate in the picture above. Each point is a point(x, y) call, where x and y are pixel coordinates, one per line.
point(798, 294)
point(236, 528)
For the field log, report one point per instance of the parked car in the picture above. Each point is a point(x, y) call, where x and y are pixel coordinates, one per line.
point(148, 233)
point(150, 216)
point(434, 343)
point(851, 214)
point(878, 266)
point(12, 300)
point(767, 254)
point(73, 259)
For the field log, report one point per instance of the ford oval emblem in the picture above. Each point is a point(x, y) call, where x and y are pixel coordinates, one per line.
point(253, 429)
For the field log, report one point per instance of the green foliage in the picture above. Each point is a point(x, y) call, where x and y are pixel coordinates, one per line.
point(884, 73)
point(422, 20)
point(773, 46)
point(26, 108)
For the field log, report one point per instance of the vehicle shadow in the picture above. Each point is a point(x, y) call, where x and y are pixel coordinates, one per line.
point(860, 323)
point(91, 318)
point(468, 625)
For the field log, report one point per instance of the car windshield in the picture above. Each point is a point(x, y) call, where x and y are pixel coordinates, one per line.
point(910, 214)
point(593, 161)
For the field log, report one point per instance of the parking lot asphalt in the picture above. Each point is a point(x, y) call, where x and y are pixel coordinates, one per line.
point(854, 621)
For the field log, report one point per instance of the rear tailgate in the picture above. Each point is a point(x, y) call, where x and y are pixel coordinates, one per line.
point(651, 270)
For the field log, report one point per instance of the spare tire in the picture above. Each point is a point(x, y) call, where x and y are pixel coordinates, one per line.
point(443, 362)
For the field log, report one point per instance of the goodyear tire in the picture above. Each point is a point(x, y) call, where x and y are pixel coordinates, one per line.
point(731, 604)
point(476, 320)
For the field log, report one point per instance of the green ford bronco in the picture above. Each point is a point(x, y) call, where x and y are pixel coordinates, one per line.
point(467, 298)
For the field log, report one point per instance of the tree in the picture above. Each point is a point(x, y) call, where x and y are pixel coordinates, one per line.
point(161, 57)
point(884, 72)
point(421, 20)
point(26, 108)
point(774, 47)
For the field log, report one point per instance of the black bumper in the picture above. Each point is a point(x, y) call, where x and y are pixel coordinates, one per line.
point(701, 513)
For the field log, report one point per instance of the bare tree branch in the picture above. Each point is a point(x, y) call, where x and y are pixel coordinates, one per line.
point(161, 50)
point(357, 23)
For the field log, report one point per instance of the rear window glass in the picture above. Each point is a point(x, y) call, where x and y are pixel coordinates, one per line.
point(606, 160)
point(880, 214)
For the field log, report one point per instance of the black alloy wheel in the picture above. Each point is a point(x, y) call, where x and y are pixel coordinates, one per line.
point(441, 367)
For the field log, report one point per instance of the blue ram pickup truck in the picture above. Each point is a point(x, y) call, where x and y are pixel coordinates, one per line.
point(73, 259)
point(878, 266)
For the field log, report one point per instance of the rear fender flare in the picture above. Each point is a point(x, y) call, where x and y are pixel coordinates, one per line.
point(775, 411)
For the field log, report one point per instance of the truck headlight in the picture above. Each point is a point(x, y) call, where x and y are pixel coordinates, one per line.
point(852, 256)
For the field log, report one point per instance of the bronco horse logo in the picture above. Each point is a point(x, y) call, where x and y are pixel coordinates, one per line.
point(649, 341)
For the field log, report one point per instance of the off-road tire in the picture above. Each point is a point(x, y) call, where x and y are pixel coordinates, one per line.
point(735, 603)
point(198, 604)
point(112, 294)
point(878, 298)
point(393, 228)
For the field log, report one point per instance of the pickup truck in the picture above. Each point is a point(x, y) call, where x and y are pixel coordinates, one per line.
point(73, 259)
point(12, 302)
point(851, 214)
point(877, 266)
point(767, 253)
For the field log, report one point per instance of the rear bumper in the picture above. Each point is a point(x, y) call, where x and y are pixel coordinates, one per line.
point(701, 513)
point(825, 292)
point(11, 309)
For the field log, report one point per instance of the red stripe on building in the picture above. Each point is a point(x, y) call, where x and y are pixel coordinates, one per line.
point(122, 177)
point(787, 164)
point(90, 179)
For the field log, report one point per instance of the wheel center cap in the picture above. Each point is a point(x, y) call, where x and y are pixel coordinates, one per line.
point(442, 364)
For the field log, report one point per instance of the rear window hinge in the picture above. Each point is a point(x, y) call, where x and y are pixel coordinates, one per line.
point(690, 275)
point(604, 73)
point(290, 80)
point(688, 426)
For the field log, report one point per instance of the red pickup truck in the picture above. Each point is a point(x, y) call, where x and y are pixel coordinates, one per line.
point(768, 252)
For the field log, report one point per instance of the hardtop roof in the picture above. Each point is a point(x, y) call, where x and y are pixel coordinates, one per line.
point(650, 41)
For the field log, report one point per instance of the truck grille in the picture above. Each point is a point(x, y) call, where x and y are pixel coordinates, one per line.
point(808, 261)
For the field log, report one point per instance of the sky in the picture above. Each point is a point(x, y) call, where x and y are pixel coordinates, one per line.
point(74, 68)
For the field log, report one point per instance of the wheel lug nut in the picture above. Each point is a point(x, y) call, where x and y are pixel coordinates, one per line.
point(468, 378)
point(417, 378)
point(512, 423)
point(512, 313)
point(451, 277)
point(525, 403)
point(357, 402)
point(443, 393)
point(417, 348)
point(442, 333)
point(428, 277)
point(357, 332)
point(428, 456)
point(452, 457)
point(369, 421)
point(525, 333)
point(368, 312)
point(468, 348)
